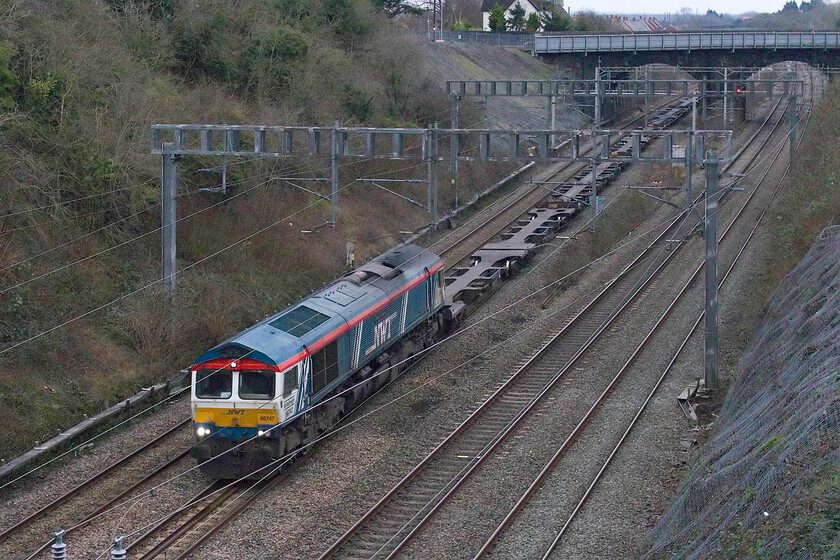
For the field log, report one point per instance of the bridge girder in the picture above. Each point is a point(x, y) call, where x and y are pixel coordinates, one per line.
point(583, 65)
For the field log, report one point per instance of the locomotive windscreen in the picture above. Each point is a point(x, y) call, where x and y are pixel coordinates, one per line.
point(256, 384)
point(213, 384)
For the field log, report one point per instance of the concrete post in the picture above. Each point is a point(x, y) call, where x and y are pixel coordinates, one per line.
point(334, 174)
point(793, 116)
point(725, 97)
point(593, 192)
point(689, 156)
point(693, 114)
point(435, 170)
point(432, 172)
point(224, 175)
point(427, 140)
point(453, 152)
point(598, 102)
point(597, 97)
point(711, 232)
point(169, 188)
point(689, 147)
point(552, 118)
point(647, 96)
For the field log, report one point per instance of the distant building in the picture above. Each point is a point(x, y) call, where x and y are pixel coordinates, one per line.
point(531, 6)
point(641, 24)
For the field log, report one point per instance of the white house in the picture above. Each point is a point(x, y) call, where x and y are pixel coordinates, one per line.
point(530, 6)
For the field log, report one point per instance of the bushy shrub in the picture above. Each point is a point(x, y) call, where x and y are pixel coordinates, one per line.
point(295, 9)
point(200, 46)
point(463, 25)
point(349, 20)
point(273, 58)
point(358, 103)
point(9, 81)
point(159, 9)
point(43, 94)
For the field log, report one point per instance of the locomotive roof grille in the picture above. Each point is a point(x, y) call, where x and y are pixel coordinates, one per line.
point(299, 321)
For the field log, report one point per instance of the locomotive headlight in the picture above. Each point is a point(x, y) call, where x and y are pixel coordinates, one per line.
point(202, 431)
point(261, 433)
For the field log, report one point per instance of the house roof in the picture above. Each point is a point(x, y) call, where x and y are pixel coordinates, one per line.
point(507, 4)
point(635, 24)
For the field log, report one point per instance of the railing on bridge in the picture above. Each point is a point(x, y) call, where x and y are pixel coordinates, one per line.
point(554, 44)
point(504, 39)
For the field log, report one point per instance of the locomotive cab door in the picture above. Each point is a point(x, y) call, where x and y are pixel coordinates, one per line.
point(291, 389)
point(430, 293)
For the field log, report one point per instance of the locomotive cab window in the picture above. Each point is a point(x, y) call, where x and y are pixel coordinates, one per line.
point(212, 384)
point(324, 366)
point(290, 381)
point(256, 384)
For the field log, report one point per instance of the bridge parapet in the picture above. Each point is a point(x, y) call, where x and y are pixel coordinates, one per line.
point(732, 41)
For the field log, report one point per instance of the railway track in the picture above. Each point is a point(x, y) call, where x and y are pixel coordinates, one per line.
point(72, 502)
point(387, 528)
point(653, 381)
point(500, 216)
point(486, 226)
point(178, 535)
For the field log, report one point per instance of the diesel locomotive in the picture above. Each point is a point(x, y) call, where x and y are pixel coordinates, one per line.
point(286, 380)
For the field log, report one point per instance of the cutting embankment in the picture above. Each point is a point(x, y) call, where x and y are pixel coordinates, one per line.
point(768, 482)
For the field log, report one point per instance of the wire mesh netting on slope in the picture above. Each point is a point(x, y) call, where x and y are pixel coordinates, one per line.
point(768, 483)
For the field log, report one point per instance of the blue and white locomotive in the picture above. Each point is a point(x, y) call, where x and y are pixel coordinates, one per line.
point(267, 390)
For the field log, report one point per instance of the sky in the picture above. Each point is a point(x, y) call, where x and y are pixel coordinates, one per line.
point(658, 7)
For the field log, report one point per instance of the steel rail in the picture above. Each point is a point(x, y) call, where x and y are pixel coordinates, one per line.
point(342, 540)
point(683, 344)
point(618, 376)
point(485, 452)
point(203, 494)
point(78, 488)
point(113, 501)
point(517, 198)
point(500, 391)
point(667, 370)
point(251, 489)
point(245, 503)
point(99, 475)
point(203, 513)
point(548, 299)
point(501, 437)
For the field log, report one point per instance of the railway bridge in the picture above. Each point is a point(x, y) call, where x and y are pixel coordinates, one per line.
point(583, 53)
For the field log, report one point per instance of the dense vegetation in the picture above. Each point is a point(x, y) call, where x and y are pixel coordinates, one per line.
point(816, 193)
point(80, 84)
